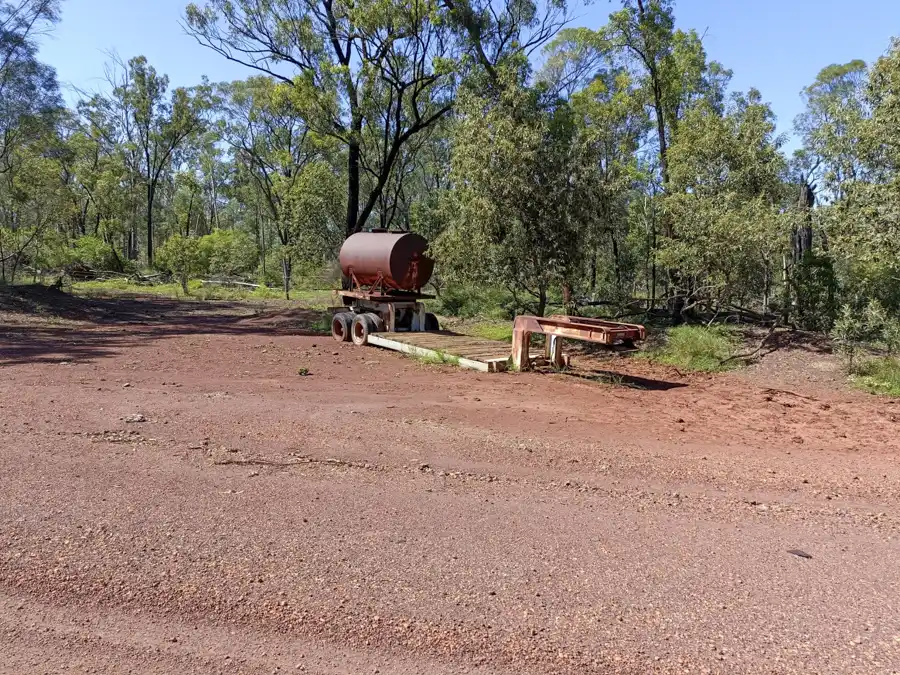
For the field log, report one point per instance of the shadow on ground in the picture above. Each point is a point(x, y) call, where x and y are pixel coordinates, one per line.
point(39, 324)
point(623, 380)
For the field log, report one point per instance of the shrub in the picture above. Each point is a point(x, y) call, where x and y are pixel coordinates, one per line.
point(95, 253)
point(470, 302)
point(849, 333)
point(697, 348)
point(816, 286)
point(180, 256)
point(273, 274)
point(228, 253)
point(856, 329)
point(879, 376)
point(51, 251)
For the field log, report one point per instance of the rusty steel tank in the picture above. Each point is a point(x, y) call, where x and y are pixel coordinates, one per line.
point(395, 261)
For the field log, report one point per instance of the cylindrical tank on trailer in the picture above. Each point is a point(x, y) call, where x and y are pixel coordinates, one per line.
point(396, 258)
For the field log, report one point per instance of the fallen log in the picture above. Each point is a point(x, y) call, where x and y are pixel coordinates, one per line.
point(230, 283)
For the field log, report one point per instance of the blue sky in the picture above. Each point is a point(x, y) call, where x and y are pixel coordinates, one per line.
point(777, 46)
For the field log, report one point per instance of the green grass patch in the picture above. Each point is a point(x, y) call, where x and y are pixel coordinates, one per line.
point(470, 302)
point(313, 300)
point(878, 376)
point(489, 330)
point(321, 325)
point(696, 348)
point(123, 286)
point(438, 358)
point(319, 299)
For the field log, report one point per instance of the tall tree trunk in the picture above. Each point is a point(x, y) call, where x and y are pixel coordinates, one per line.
point(803, 236)
point(187, 224)
point(262, 238)
point(652, 261)
point(353, 155)
point(618, 263)
point(2, 264)
point(568, 305)
point(652, 68)
point(151, 189)
point(786, 285)
point(214, 210)
point(677, 298)
point(542, 300)
point(286, 275)
point(82, 219)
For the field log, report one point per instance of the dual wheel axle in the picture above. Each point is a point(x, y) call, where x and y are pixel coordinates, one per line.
point(357, 327)
point(347, 326)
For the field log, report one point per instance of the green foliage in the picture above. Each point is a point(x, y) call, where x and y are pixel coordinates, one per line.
point(438, 358)
point(849, 333)
point(502, 331)
point(227, 252)
point(879, 376)
point(725, 173)
point(697, 348)
point(51, 251)
point(270, 273)
point(182, 257)
point(475, 301)
point(858, 329)
point(163, 123)
point(830, 125)
point(816, 288)
point(519, 231)
point(95, 253)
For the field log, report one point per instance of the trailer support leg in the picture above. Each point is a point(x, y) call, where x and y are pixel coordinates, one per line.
point(554, 351)
point(520, 350)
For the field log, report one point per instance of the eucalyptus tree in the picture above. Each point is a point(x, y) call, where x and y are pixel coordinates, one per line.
point(726, 187)
point(518, 202)
point(829, 126)
point(676, 75)
point(349, 66)
point(371, 70)
point(864, 225)
point(289, 165)
point(29, 95)
point(161, 124)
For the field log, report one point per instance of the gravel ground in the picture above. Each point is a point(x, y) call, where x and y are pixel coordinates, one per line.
point(176, 497)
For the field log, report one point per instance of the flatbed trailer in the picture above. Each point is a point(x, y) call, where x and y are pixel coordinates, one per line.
point(488, 356)
point(382, 304)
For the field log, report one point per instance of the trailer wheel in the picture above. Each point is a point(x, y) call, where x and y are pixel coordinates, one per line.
point(431, 322)
point(340, 326)
point(362, 328)
point(376, 322)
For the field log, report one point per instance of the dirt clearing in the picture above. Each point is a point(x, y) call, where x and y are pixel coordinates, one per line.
point(176, 497)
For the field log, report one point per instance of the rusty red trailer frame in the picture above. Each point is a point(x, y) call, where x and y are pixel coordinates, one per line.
point(558, 327)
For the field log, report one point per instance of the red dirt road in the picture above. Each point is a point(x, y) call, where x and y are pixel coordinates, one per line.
point(380, 515)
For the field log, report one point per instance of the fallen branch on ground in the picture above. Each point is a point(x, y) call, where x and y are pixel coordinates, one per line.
point(751, 354)
point(230, 283)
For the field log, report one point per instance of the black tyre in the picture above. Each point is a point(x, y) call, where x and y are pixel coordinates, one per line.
point(376, 322)
point(431, 322)
point(340, 326)
point(362, 328)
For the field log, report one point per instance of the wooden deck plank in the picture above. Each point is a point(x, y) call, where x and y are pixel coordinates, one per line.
point(478, 353)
